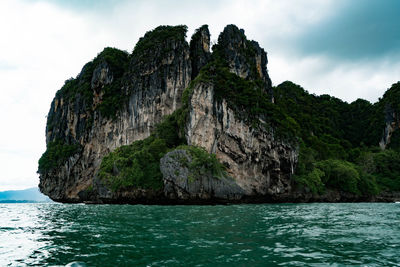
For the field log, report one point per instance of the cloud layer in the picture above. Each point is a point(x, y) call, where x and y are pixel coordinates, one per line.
point(359, 29)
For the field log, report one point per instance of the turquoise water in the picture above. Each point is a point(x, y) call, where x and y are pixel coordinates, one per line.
point(236, 235)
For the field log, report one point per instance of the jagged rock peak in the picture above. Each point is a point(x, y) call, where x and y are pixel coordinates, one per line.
point(118, 99)
point(160, 35)
point(245, 58)
point(200, 49)
point(157, 45)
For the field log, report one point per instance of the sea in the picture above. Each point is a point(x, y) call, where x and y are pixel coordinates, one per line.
point(320, 234)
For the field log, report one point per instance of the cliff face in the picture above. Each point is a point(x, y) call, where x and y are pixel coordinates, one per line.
point(260, 164)
point(392, 123)
point(245, 58)
point(119, 98)
point(389, 107)
point(151, 87)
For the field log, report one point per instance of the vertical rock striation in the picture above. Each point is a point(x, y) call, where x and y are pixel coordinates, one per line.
point(245, 58)
point(260, 163)
point(200, 49)
point(392, 123)
point(151, 87)
point(389, 107)
point(118, 99)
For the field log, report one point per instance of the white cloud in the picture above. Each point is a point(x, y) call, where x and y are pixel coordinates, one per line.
point(347, 81)
point(43, 44)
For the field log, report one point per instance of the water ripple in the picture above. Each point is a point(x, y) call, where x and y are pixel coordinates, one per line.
point(245, 235)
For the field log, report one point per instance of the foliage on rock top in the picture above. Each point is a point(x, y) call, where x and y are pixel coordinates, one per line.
point(232, 43)
point(197, 36)
point(79, 92)
point(247, 98)
point(392, 96)
point(338, 140)
point(56, 154)
point(116, 59)
point(79, 88)
point(114, 97)
point(158, 40)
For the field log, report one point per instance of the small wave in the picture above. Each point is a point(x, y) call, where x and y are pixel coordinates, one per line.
point(76, 264)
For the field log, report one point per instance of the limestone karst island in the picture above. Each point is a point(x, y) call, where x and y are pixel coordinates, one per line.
point(186, 123)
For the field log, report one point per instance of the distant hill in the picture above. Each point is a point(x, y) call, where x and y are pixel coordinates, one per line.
point(27, 195)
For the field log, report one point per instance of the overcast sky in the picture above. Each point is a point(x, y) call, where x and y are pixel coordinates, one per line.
point(349, 49)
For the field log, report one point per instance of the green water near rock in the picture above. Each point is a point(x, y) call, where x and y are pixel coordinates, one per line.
point(237, 235)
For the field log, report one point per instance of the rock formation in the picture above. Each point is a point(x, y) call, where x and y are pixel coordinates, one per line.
point(186, 123)
point(392, 123)
point(118, 99)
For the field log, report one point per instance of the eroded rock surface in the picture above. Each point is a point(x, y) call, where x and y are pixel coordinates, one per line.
point(153, 89)
point(259, 163)
point(149, 88)
point(180, 182)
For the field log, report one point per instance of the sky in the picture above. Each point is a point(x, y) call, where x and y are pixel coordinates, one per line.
point(348, 49)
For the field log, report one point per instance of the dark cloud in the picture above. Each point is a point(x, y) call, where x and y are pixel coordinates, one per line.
point(359, 29)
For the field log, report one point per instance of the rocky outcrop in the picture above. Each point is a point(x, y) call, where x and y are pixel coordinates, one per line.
point(245, 58)
point(182, 183)
point(152, 88)
point(259, 163)
point(392, 123)
point(200, 49)
point(119, 98)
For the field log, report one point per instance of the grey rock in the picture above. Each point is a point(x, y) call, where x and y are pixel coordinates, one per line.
point(246, 58)
point(102, 76)
point(180, 182)
point(259, 164)
point(200, 49)
point(153, 89)
point(392, 123)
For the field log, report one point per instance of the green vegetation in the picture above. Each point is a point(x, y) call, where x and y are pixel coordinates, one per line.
point(330, 119)
point(56, 154)
point(383, 166)
point(79, 89)
point(114, 97)
point(196, 37)
point(221, 50)
point(392, 96)
point(138, 165)
point(246, 97)
point(148, 45)
point(80, 86)
point(338, 142)
point(203, 163)
point(333, 136)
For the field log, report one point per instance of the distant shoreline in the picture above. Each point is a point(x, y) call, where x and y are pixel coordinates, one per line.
point(22, 201)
